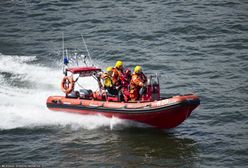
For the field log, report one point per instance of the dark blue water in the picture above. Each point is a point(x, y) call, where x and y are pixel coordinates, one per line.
point(196, 46)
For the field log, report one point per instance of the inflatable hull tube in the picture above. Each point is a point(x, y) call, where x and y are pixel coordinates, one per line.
point(164, 114)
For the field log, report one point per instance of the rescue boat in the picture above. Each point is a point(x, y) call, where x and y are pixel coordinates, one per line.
point(151, 109)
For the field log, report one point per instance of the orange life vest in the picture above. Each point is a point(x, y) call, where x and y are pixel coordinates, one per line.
point(137, 81)
point(116, 76)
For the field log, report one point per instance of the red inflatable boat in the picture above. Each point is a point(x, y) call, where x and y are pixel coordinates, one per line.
point(151, 109)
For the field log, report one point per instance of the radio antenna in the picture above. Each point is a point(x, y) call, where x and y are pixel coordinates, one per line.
point(86, 48)
point(63, 47)
point(63, 53)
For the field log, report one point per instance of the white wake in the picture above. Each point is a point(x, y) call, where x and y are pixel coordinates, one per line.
point(22, 106)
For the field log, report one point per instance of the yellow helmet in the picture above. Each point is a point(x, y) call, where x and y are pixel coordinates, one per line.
point(108, 69)
point(118, 64)
point(137, 69)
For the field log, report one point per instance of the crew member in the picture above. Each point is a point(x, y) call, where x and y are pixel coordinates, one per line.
point(127, 76)
point(117, 74)
point(138, 81)
point(107, 81)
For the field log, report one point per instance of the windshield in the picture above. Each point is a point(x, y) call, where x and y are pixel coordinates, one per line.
point(88, 82)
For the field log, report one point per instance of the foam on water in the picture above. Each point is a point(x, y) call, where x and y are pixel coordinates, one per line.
point(26, 107)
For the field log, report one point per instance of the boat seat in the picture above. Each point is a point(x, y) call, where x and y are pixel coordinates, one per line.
point(73, 94)
point(112, 92)
point(111, 95)
point(115, 97)
point(85, 93)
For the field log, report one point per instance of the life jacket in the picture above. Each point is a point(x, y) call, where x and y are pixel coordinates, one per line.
point(107, 81)
point(117, 76)
point(138, 80)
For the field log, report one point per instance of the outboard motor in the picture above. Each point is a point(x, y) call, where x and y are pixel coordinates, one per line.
point(153, 88)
